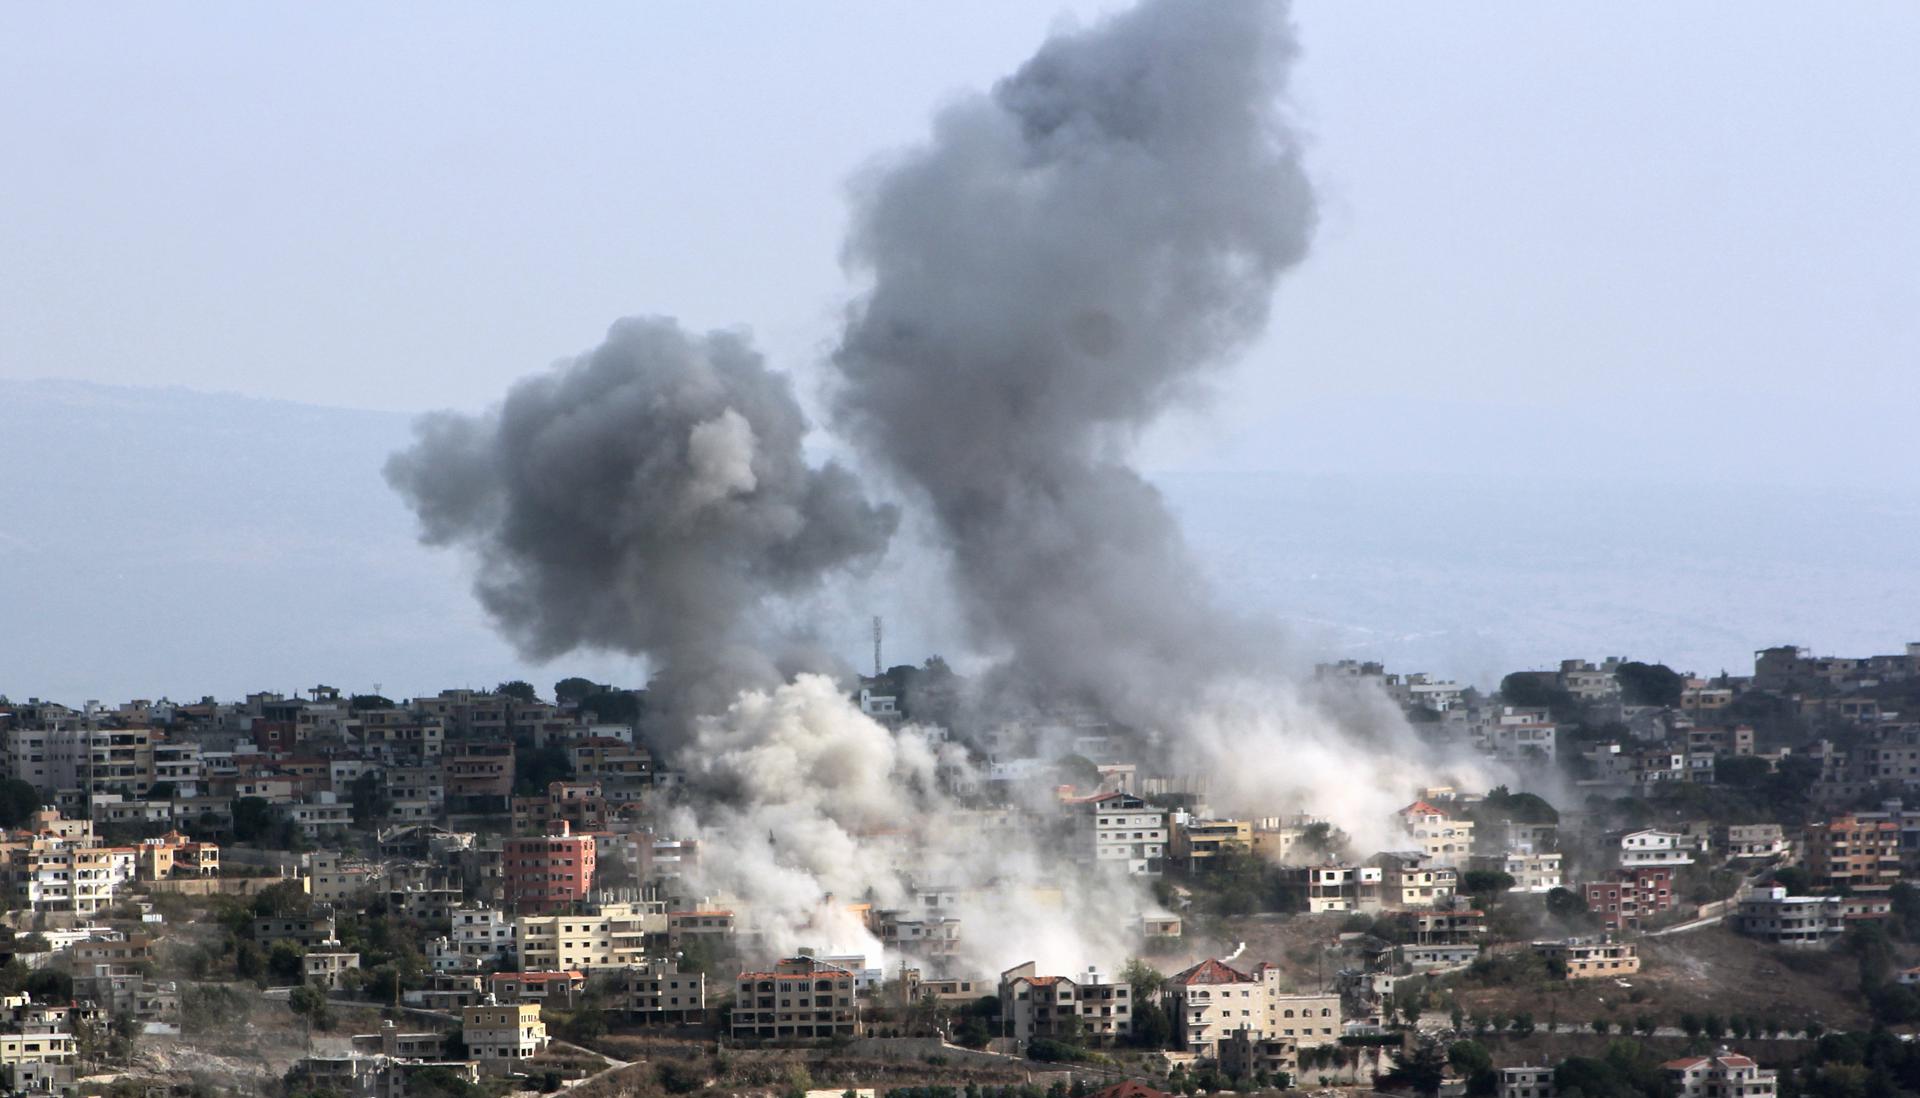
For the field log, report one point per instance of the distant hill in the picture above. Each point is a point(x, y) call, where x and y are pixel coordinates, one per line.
point(168, 541)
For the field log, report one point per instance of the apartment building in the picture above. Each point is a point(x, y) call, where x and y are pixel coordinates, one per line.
point(1337, 886)
point(657, 992)
point(1853, 852)
point(1196, 842)
point(1765, 840)
point(1210, 1001)
point(1292, 840)
point(1590, 960)
point(579, 805)
point(1033, 1005)
point(1531, 872)
point(798, 998)
point(329, 969)
point(1121, 832)
point(623, 770)
point(478, 770)
point(547, 873)
point(615, 936)
point(1631, 897)
point(1411, 879)
point(1442, 838)
point(1774, 915)
point(174, 855)
point(556, 988)
point(312, 929)
point(499, 1036)
point(481, 936)
point(1652, 847)
point(52, 875)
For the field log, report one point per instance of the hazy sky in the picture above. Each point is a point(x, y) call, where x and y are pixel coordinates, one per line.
point(1648, 238)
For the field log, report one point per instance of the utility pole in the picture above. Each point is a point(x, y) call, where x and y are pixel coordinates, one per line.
point(877, 668)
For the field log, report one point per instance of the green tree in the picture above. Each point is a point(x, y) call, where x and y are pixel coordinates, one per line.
point(574, 688)
point(18, 802)
point(253, 818)
point(1420, 1068)
point(518, 689)
point(1740, 771)
point(1485, 882)
point(360, 702)
point(1649, 684)
point(286, 963)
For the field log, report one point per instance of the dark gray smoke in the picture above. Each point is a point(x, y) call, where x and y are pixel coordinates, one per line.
point(1066, 257)
point(649, 497)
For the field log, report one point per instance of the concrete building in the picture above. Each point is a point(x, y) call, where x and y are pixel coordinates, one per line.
point(1530, 872)
point(329, 970)
point(1410, 879)
point(1121, 832)
point(1853, 852)
point(1764, 840)
point(1773, 915)
point(1444, 839)
point(499, 1036)
point(657, 992)
point(1032, 1005)
point(1726, 1074)
point(1337, 886)
point(1526, 1082)
point(1589, 960)
point(1196, 841)
point(1651, 847)
point(798, 998)
point(1212, 1000)
point(548, 872)
point(1631, 897)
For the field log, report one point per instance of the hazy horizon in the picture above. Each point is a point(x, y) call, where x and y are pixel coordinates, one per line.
point(297, 565)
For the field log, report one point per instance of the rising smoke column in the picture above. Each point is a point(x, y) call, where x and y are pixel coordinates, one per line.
point(1069, 255)
point(649, 497)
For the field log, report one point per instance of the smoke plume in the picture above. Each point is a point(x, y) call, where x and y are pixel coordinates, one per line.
point(649, 497)
point(1066, 257)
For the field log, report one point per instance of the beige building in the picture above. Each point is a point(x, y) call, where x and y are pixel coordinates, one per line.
point(1591, 960)
point(658, 992)
point(1443, 838)
point(499, 1037)
point(1195, 842)
point(799, 998)
point(613, 938)
point(1211, 1001)
point(1411, 879)
point(329, 970)
point(1033, 1005)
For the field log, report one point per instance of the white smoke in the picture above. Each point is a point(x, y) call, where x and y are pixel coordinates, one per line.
point(809, 807)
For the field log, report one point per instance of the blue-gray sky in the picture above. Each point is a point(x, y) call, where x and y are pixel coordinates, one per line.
point(1579, 264)
point(1670, 239)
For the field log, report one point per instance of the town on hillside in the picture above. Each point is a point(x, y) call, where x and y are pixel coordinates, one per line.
point(1682, 885)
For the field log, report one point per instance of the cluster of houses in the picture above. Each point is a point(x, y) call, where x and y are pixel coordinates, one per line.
point(523, 838)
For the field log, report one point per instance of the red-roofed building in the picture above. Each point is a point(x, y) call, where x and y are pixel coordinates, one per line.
point(1442, 838)
point(1045, 1006)
point(1726, 1074)
point(1213, 1000)
point(801, 997)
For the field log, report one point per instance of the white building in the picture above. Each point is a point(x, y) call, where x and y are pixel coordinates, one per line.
point(1122, 832)
point(1653, 848)
point(1726, 1074)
